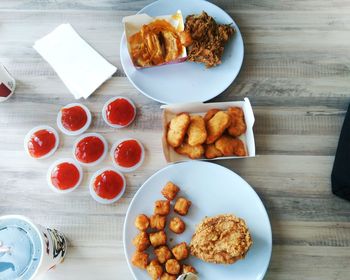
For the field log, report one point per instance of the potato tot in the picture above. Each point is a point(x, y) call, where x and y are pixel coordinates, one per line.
point(180, 251)
point(162, 207)
point(163, 254)
point(192, 152)
point(141, 222)
point(140, 259)
point(182, 205)
point(212, 152)
point(230, 146)
point(158, 238)
point(157, 222)
point(154, 270)
point(188, 268)
point(238, 125)
point(177, 225)
point(197, 132)
point(170, 191)
point(172, 266)
point(141, 241)
point(167, 276)
point(217, 125)
point(177, 129)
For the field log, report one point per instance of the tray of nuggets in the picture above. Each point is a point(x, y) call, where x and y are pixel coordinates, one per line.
point(154, 251)
point(208, 131)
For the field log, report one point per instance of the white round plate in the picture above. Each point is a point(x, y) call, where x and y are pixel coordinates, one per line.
point(213, 190)
point(188, 81)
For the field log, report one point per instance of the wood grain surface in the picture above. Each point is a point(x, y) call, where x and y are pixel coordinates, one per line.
point(296, 73)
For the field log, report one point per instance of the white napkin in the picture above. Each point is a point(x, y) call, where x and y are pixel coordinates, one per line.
point(78, 65)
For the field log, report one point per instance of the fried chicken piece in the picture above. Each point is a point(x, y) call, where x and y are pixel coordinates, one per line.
point(185, 38)
point(162, 207)
point(210, 114)
point(238, 125)
point(158, 238)
point(180, 251)
point(177, 225)
point(172, 266)
point(230, 146)
point(170, 190)
point(177, 129)
point(197, 132)
point(140, 259)
point(141, 222)
point(157, 221)
point(192, 152)
point(221, 239)
point(167, 276)
point(217, 125)
point(141, 241)
point(154, 269)
point(182, 205)
point(188, 268)
point(163, 254)
point(212, 152)
point(208, 39)
point(170, 42)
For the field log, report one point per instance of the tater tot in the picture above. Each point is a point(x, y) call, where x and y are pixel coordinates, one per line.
point(162, 207)
point(181, 206)
point(163, 254)
point(180, 251)
point(141, 241)
point(158, 238)
point(154, 269)
point(140, 259)
point(167, 276)
point(172, 266)
point(188, 268)
point(157, 222)
point(170, 190)
point(141, 222)
point(177, 225)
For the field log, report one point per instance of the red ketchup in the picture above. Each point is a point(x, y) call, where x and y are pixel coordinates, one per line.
point(128, 153)
point(120, 112)
point(73, 118)
point(41, 143)
point(65, 176)
point(89, 149)
point(108, 184)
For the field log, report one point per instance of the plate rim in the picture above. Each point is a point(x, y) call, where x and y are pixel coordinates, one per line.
point(203, 163)
point(162, 101)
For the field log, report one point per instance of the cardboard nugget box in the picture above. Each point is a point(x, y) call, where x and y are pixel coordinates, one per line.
point(170, 111)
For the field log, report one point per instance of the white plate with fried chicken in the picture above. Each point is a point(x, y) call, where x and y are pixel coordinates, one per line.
point(197, 217)
point(213, 61)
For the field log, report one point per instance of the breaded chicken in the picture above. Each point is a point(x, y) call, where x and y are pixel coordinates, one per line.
point(197, 133)
point(212, 152)
point(210, 114)
point(238, 125)
point(222, 239)
point(230, 146)
point(177, 129)
point(192, 152)
point(217, 125)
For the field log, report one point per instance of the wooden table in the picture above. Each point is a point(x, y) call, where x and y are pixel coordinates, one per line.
point(296, 74)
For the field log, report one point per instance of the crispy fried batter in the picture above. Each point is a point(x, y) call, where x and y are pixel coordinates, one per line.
point(230, 146)
point(177, 129)
point(208, 39)
point(238, 126)
point(180, 251)
point(154, 270)
point(192, 152)
point(167, 276)
point(221, 239)
point(197, 133)
point(177, 225)
point(217, 125)
point(141, 241)
point(141, 222)
point(212, 152)
point(170, 190)
point(140, 259)
point(210, 114)
point(173, 266)
point(163, 254)
point(182, 205)
point(157, 222)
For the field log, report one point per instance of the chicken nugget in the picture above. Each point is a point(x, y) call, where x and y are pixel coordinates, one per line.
point(177, 225)
point(170, 190)
point(154, 269)
point(217, 125)
point(177, 129)
point(172, 266)
point(210, 114)
point(140, 259)
point(141, 241)
point(157, 221)
point(197, 132)
point(230, 146)
point(180, 251)
point(238, 125)
point(188, 268)
point(158, 238)
point(162, 207)
point(167, 276)
point(212, 152)
point(182, 205)
point(192, 152)
point(141, 222)
point(163, 254)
